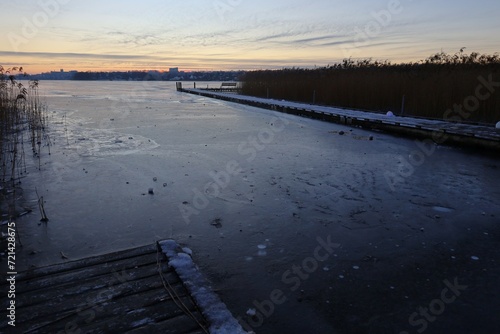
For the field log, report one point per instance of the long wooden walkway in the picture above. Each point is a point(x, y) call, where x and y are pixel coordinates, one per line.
point(439, 131)
point(132, 291)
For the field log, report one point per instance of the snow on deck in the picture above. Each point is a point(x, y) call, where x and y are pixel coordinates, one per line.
point(220, 319)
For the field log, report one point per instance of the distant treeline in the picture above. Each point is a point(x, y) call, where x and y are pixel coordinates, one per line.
point(140, 76)
point(159, 76)
point(461, 87)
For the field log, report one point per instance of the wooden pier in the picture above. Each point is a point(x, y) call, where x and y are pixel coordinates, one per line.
point(225, 87)
point(131, 291)
point(483, 137)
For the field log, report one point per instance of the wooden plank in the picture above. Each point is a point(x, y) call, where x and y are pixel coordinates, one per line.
point(67, 266)
point(92, 286)
point(96, 285)
point(116, 270)
point(63, 302)
point(131, 318)
point(83, 311)
point(180, 325)
point(96, 321)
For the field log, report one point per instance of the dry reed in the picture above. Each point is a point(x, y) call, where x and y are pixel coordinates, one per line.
point(424, 89)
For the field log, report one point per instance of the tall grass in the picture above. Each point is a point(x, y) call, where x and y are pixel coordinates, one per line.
point(22, 127)
point(427, 88)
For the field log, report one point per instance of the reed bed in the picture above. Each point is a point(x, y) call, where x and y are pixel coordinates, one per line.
point(23, 121)
point(428, 88)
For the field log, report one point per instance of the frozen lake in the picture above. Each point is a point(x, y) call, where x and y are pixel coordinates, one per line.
point(312, 226)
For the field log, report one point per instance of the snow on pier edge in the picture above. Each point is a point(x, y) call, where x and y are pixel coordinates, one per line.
point(216, 312)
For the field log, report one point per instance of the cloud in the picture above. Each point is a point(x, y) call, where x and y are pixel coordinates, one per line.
point(70, 55)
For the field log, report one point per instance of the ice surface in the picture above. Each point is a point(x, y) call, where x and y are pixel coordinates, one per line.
point(216, 312)
point(86, 140)
point(335, 184)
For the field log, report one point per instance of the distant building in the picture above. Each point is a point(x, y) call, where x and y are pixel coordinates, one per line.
point(173, 70)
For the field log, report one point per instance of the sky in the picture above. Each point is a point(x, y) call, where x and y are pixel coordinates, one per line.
point(109, 35)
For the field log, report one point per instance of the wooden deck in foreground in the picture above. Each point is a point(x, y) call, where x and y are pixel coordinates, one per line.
point(122, 292)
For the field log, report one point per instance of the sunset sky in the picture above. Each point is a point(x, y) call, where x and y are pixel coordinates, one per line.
point(48, 35)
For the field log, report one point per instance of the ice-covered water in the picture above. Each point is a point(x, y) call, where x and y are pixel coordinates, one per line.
point(251, 191)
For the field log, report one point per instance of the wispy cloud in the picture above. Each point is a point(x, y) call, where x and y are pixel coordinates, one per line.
point(68, 55)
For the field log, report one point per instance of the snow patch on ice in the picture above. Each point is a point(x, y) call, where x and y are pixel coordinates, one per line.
point(216, 312)
point(251, 312)
point(442, 209)
point(262, 253)
point(262, 250)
